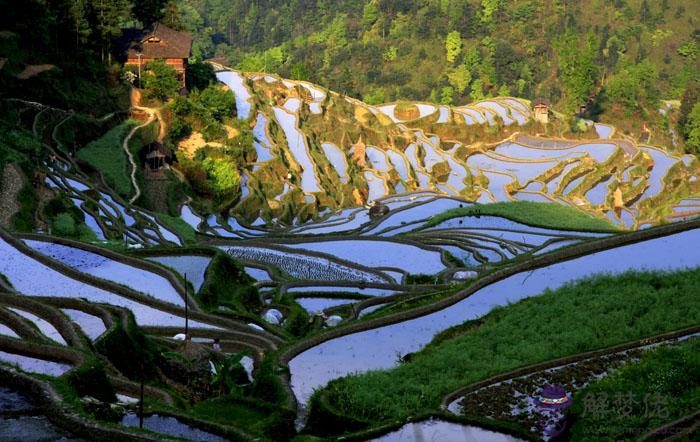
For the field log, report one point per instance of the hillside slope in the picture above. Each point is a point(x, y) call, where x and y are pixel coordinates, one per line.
point(318, 150)
point(383, 50)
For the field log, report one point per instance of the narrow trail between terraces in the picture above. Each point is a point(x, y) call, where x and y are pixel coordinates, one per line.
point(153, 114)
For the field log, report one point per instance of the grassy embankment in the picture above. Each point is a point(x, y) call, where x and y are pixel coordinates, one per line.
point(591, 314)
point(180, 227)
point(546, 215)
point(669, 374)
point(259, 417)
point(227, 284)
point(106, 155)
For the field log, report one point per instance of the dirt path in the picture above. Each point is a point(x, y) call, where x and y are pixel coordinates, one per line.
point(136, 104)
point(125, 146)
point(35, 124)
point(163, 131)
point(153, 114)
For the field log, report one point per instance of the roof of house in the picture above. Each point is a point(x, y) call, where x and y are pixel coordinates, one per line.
point(157, 41)
point(540, 102)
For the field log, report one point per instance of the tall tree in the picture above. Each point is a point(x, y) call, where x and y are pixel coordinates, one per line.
point(370, 13)
point(634, 86)
point(488, 9)
point(81, 25)
point(148, 11)
point(108, 16)
point(691, 96)
point(172, 17)
point(453, 45)
point(459, 78)
point(645, 12)
point(446, 96)
point(577, 67)
point(692, 130)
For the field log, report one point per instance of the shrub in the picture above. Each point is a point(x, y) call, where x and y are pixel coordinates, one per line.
point(160, 81)
point(64, 225)
point(220, 102)
point(23, 220)
point(267, 385)
point(130, 352)
point(179, 129)
point(298, 322)
point(54, 207)
point(90, 379)
point(280, 425)
point(226, 282)
point(200, 75)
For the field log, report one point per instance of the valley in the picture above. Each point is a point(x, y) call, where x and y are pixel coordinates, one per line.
point(448, 236)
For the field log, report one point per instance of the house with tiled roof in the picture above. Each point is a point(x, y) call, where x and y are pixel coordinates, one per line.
point(157, 42)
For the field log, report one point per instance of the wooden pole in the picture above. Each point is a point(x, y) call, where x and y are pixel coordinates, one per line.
point(141, 404)
point(139, 55)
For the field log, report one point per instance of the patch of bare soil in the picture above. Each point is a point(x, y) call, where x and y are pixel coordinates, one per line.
point(194, 142)
point(231, 132)
point(32, 70)
point(135, 97)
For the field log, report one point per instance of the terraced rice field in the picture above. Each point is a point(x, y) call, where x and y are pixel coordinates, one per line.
point(350, 288)
point(33, 278)
point(377, 348)
point(519, 169)
point(191, 267)
point(303, 266)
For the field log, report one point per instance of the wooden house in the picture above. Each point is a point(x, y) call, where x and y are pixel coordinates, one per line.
point(540, 110)
point(158, 42)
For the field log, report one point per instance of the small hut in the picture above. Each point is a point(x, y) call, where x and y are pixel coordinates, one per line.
point(158, 156)
point(541, 108)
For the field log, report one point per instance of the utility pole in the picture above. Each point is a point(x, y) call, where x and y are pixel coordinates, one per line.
point(139, 55)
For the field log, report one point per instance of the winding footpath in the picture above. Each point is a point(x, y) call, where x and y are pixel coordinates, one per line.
point(153, 114)
point(125, 146)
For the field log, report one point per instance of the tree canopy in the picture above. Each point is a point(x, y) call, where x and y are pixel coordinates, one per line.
point(160, 80)
point(692, 129)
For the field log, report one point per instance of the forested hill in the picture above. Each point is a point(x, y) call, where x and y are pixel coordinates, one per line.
point(459, 50)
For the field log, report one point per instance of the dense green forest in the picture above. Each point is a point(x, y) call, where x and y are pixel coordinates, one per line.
point(617, 57)
point(459, 50)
